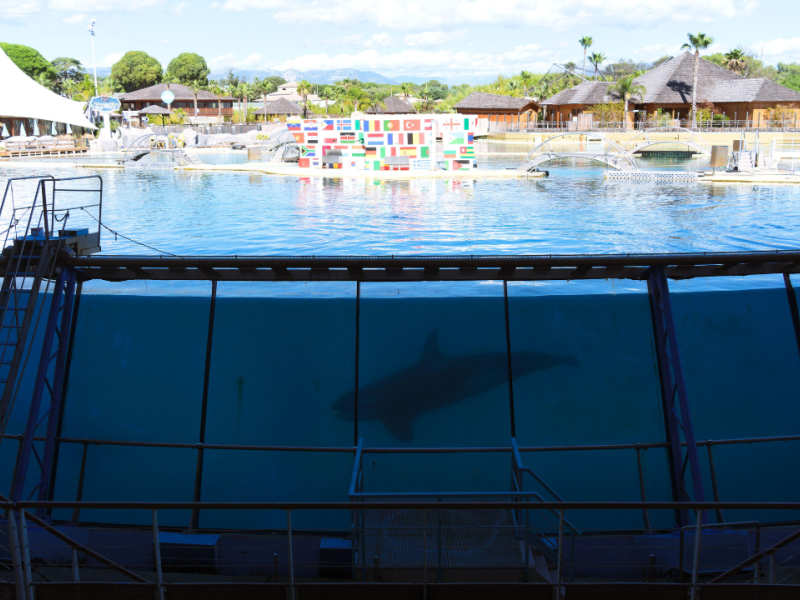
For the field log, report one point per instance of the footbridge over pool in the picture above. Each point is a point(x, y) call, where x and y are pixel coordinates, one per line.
point(667, 135)
point(590, 145)
point(158, 144)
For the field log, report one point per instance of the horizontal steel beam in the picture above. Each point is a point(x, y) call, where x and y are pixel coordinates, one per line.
point(405, 268)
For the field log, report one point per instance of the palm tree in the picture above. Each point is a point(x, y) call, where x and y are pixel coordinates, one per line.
point(215, 89)
point(696, 42)
point(304, 88)
point(736, 60)
point(513, 86)
point(585, 42)
point(405, 89)
point(327, 94)
point(245, 89)
point(626, 89)
point(195, 85)
point(597, 58)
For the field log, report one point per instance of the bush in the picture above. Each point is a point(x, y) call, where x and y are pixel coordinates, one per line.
point(611, 112)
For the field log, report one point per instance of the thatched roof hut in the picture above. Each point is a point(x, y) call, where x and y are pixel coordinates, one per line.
point(480, 103)
point(394, 106)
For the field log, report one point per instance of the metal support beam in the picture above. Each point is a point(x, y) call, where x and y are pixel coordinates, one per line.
point(157, 557)
point(198, 479)
point(18, 484)
point(673, 392)
point(16, 555)
point(790, 293)
point(358, 342)
point(508, 359)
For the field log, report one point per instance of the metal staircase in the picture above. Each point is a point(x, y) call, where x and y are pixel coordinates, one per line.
point(37, 235)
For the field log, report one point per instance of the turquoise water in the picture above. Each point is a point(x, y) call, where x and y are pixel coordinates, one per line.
point(284, 354)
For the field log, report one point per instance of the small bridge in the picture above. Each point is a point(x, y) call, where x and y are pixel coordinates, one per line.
point(609, 153)
point(667, 135)
point(159, 144)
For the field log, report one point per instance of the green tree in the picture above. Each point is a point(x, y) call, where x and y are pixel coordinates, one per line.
point(585, 42)
point(67, 69)
point(597, 58)
point(736, 60)
point(217, 90)
point(626, 89)
point(434, 90)
point(187, 67)
point(196, 85)
point(33, 64)
point(327, 94)
point(137, 70)
point(696, 42)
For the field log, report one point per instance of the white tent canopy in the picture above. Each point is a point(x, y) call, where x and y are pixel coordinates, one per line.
point(22, 98)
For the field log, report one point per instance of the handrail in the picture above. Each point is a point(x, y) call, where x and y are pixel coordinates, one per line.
point(756, 557)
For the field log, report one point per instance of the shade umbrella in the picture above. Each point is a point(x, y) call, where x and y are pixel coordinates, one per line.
point(36, 127)
point(155, 109)
point(5, 131)
point(53, 129)
point(22, 129)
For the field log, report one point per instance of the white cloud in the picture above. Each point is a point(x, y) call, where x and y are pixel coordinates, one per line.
point(433, 38)
point(164, 42)
point(559, 14)
point(226, 60)
point(18, 10)
point(179, 7)
point(378, 39)
point(109, 60)
point(779, 50)
point(530, 57)
point(656, 51)
point(76, 19)
point(102, 5)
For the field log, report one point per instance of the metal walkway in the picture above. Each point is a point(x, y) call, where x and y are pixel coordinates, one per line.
point(610, 152)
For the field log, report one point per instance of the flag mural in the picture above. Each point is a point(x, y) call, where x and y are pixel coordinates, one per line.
point(387, 144)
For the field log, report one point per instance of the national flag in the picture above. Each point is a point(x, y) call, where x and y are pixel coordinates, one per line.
point(455, 124)
point(348, 137)
point(412, 125)
point(390, 138)
point(293, 126)
point(466, 152)
point(306, 151)
point(421, 164)
point(375, 139)
point(453, 139)
point(425, 152)
point(299, 137)
point(414, 139)
point(312, 138)
point(450, 153)
point(325, 150)
point(391, 125)
point(344, 125)
point(341, 147)
point(470, 137)
point(330, 140)
point(327, 125)
point(371, 152)
point(359, 153)
point(372, 126)
point(460, 165)
point(406, 151)
point(304, 163)
point(428, 124)
point(310, 125)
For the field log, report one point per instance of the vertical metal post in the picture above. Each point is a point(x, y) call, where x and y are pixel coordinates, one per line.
point(38, 390)
point(439, 544)
point(425, 552)
point(790, 293)
point(157, 554)
point(16, 556)
point(714, 489)
point(642, 487)
point(696, 561)
point(64, 387)
point(771, 579)
point(674, 396)
point(560, 551)
point(76, 575)
point(76, 512)
point(26, 553)
point(291, 555)
point(198, 476)
point(56, 393)
point(508, 359)
point(358, 337)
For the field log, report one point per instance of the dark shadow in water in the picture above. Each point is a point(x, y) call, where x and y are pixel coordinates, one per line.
point(437, 381)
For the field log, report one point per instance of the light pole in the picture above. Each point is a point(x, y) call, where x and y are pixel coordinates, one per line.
point(90, 27)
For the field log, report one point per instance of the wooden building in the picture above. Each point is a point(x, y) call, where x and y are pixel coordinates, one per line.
point(208, 105)
point(497, 108)
point(669, 90)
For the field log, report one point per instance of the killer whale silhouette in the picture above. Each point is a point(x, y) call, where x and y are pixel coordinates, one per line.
point(436, 381)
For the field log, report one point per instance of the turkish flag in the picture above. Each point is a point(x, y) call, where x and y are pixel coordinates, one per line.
point(412, 125)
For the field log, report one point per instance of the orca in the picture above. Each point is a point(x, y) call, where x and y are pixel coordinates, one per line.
point(435, 381)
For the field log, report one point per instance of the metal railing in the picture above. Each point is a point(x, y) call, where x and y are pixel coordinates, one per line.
point(709, 126)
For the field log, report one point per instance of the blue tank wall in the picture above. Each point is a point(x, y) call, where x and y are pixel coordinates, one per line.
point(282, 368)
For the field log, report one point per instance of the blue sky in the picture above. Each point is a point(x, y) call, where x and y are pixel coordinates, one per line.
point(462, 40)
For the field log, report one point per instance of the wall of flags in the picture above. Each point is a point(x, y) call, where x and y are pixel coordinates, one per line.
point(372, 144)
